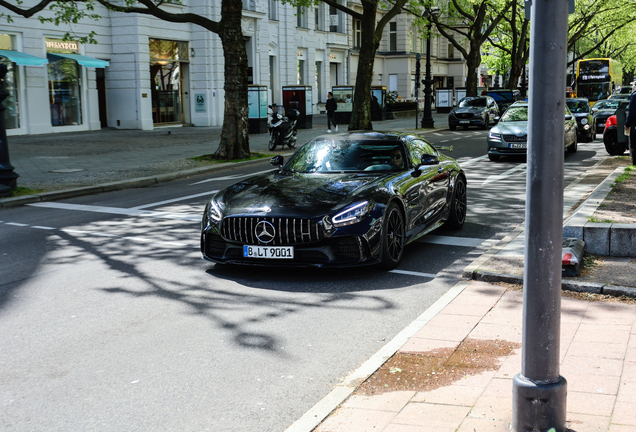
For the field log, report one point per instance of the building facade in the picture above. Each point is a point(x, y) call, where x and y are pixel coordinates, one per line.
point(144, 73)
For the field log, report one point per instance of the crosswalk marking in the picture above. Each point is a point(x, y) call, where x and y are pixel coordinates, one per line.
point(118, 211)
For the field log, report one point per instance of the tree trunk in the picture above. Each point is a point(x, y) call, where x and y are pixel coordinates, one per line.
point(361, 115)
point(235, 133)
point(472, 63)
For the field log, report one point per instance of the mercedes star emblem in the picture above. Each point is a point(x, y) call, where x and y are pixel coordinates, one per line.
point(265, 231)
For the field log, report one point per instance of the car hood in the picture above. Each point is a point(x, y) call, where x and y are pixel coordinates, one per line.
point(605, 111)
point(295, 195)
point(519, 128)
point(472, 110)
point(580, 115)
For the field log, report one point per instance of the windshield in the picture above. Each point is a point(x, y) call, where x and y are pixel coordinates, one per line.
point(325, 155)
point(607, 104)
point(577, 106)
point(472, 102)
point(594, 92)
point(501, 96)
point(515, 113)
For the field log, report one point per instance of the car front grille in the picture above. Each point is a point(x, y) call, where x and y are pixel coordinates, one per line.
point(515, 138)
point(288, 231)
point(464, 116)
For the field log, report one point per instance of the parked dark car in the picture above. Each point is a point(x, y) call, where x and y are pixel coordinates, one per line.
point(602, 110)
point(504, 98)
point(510, 136)
point(347, 199)
point(477, 111)
point(582, 111)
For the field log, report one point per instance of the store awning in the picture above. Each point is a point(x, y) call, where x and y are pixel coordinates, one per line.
point(83, 60)
point(23, 59)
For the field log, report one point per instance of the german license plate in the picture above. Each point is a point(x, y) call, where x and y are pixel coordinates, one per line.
point(464, 122)
point(518, 145)
point(271, 252)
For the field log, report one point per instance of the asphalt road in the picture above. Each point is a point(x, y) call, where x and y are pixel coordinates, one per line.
point(110, 320)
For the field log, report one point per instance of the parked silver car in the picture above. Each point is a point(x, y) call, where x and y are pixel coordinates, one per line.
point(510, 136)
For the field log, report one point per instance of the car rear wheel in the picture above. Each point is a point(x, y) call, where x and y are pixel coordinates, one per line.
point(457, 215)
point(393, 237)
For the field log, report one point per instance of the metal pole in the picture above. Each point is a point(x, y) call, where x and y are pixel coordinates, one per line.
point(539, 391)
point(427, 117)
point(8, 179)
point(418, 57)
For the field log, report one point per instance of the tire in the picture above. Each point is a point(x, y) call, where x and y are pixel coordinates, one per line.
point(393, 237)
point(458, 206)
point(452, 127)
point(493, 157)
point(273, 137)
point(486, 123)
point(592, 135)
point(610, 139)
point(573, 147)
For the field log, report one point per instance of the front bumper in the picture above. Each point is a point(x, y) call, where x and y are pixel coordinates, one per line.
point(342, 251)
point(503, 148)
point(475, 121)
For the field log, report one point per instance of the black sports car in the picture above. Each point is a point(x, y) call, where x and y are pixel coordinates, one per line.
point(343, 199)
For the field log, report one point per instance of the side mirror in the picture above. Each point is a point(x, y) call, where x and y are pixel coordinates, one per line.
point(496, 119)
point(568, 117)
point(277, 161)
point(429, 160)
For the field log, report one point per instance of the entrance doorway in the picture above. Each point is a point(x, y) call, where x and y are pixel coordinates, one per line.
point(168, 63)
point(101, 96)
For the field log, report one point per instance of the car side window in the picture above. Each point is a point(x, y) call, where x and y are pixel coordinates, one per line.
point(417, 148)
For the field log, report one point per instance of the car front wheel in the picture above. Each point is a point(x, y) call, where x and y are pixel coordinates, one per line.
point(573, 147)
point(393, 237)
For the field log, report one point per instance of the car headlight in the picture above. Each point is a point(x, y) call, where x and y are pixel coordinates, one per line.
point(352, 214)
point(214, 211)
point(494, 136)
point(584, 121)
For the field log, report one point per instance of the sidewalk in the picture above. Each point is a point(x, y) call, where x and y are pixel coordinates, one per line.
point(453, 369)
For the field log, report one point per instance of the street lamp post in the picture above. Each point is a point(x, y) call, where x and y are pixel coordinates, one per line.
point(427, 119)
point(8, 179)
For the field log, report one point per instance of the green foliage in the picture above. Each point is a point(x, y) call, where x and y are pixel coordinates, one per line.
point(21, 191)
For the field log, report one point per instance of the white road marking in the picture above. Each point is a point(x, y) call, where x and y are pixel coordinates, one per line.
point(503, 175)
point(174, 200)
point(42, 227)
point(17, 224)
point(118, 211)
point(411, 273)
point(455, 241)
point(471, 161)
point(232, 177)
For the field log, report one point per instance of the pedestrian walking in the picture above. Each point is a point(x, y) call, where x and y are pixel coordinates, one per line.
point(331, 107)
point(630, 123)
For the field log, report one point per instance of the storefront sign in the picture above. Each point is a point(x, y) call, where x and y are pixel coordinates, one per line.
point(199, 102)
point(61, 46)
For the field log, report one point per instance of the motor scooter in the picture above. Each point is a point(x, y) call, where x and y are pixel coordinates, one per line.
point(282, 129)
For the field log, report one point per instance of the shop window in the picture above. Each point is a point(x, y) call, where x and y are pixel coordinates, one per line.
point(166, 58)
point(64, 91)
point(301, 72)
point(12, 107)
